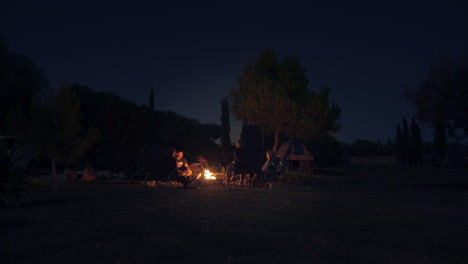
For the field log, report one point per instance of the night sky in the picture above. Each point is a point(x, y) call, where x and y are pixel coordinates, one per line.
point(191, 52)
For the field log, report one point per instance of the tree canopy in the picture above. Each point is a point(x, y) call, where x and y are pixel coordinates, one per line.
point(53, 127)
point(274, 96)
point(128, 130)
point(21, 81)
point(78, 126)
point(442, 97)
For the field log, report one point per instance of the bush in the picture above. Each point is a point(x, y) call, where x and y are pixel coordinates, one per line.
point(13, 181)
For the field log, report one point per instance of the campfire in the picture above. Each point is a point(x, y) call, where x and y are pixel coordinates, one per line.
point(202, 171)
point(208, 175)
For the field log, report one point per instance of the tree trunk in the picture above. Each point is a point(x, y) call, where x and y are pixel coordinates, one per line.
point(275, 145)
point(54, 174)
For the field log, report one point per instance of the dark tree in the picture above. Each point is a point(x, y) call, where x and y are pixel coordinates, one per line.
point(273, 96)
point(416, 143)
point(129, 132)
point(441, 98)
point(363, 147)
point(57, 131)
point(251, 135)
point(124, 126)
point(328, 152)
point(225, 125)
point(399, 144)
point(389, 146)
point(21, 82)
point(405, 143)
point(409, 143)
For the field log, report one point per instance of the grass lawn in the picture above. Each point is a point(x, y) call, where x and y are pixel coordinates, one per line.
point(353, 215)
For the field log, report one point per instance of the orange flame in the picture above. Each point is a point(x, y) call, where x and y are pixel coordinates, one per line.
point(209, 175)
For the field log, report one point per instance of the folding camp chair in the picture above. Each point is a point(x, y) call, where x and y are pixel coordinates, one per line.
point(271, 176)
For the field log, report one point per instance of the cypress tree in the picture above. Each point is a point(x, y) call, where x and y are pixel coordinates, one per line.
point(416, 143)
point(405, 142)
point(399, 146)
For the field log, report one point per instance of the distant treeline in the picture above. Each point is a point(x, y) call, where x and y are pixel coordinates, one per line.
point(119, 135)
point(129, 133)
point(125, 137)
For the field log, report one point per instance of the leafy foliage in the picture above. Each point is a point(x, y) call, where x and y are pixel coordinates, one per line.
point(129, 131)
point(316, 118)
point(441, 98)
point(363, 147)
point(13, 181)
point(56, 128)
point(125, 129)
point(328, 152)
point(273, 95)
point(21, 81)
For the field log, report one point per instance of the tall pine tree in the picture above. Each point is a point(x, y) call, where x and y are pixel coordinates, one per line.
point(273, 96)
point(405, 142)
point(399, 144)
point(409, 143)
point(416, 143)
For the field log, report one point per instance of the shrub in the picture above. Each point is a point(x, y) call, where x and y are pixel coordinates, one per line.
point(13, 181)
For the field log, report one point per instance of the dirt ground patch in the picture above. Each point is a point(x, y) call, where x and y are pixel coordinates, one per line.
point(337, 220)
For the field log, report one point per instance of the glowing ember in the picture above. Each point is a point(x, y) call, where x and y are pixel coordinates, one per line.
point(209, 175)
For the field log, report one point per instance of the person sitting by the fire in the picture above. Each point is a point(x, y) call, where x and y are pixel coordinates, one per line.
point(270, 168)
point(182, 165)
point(239, 157)
point(169, 166)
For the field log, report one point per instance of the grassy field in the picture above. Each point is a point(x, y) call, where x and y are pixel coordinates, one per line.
point(353, 215)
